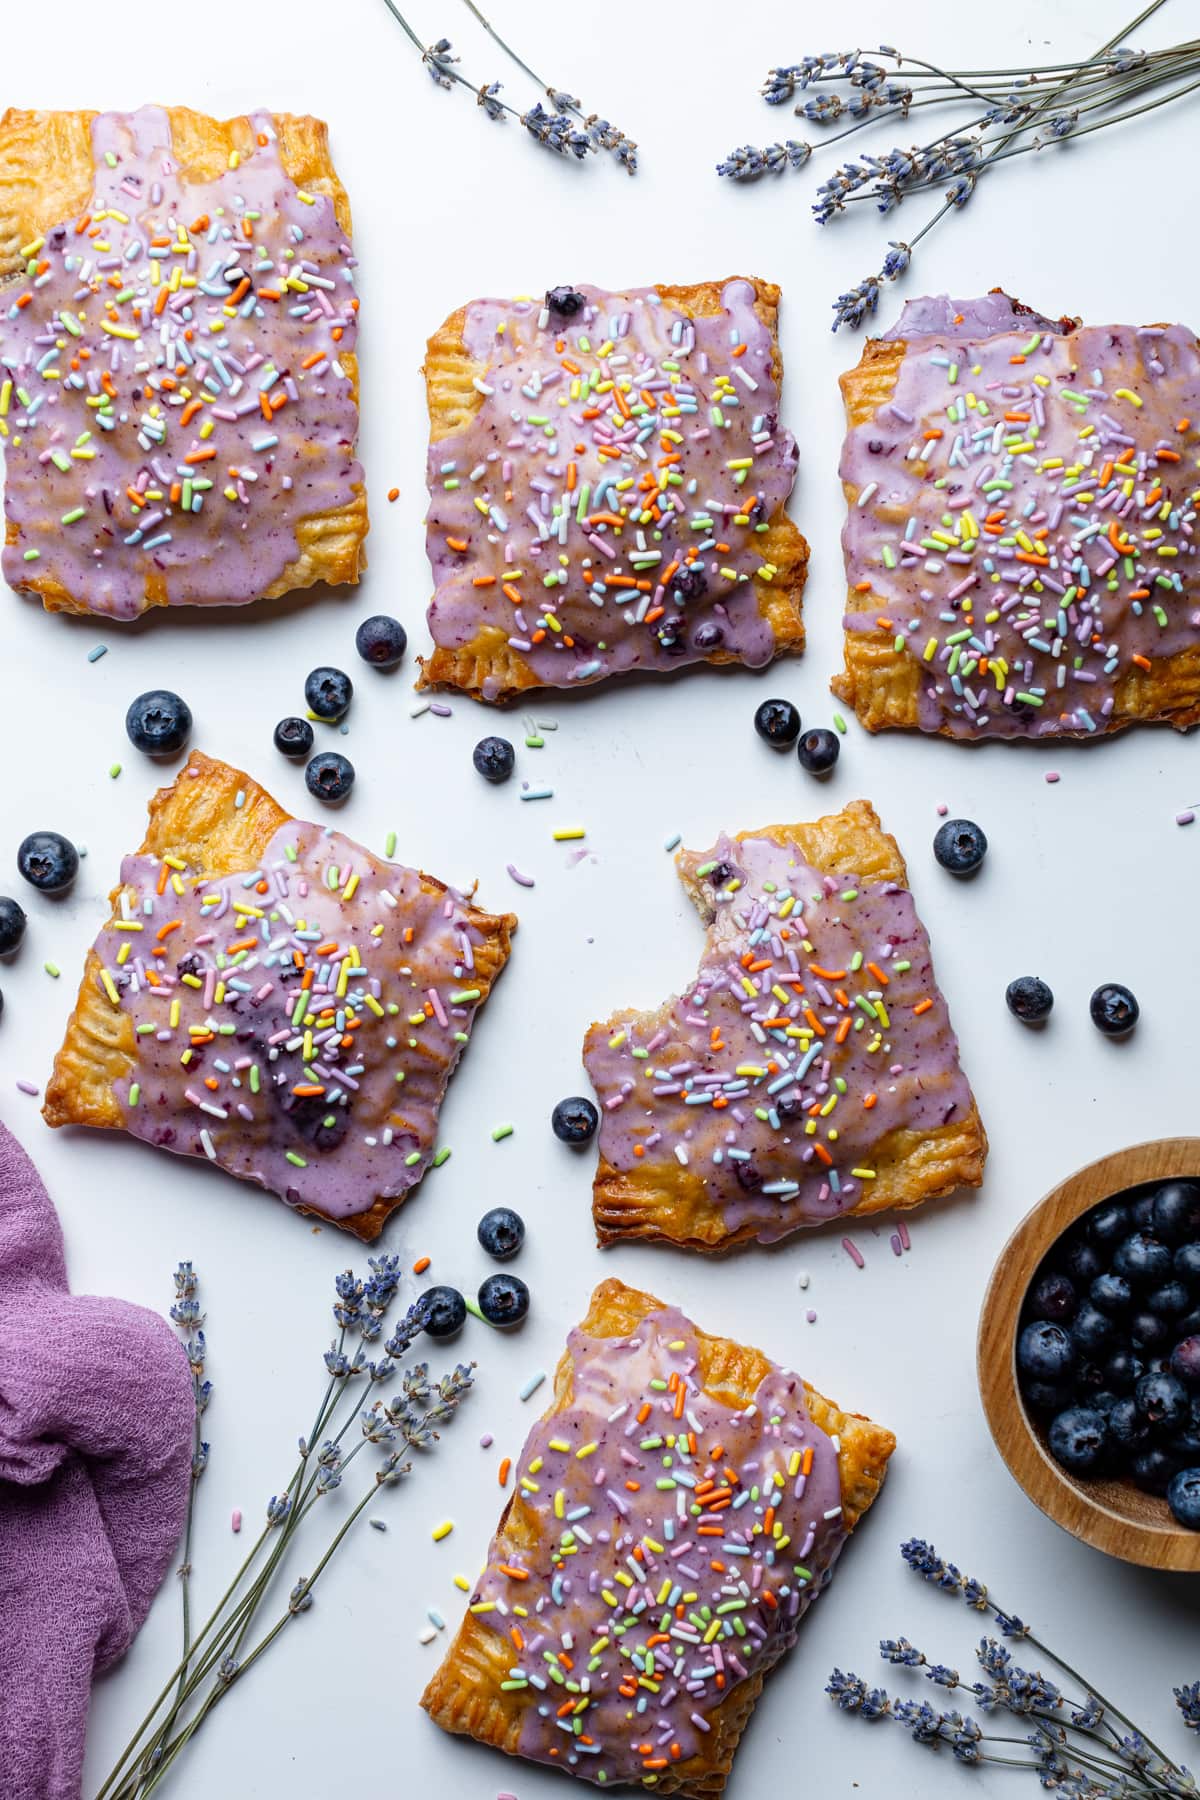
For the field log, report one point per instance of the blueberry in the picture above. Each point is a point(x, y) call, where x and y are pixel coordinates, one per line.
point(1185, 1363)
point(329, 693)
point(565, 301)
point(503, 1299)
point(818, 751)
point(1152, 1469)
point(1109, 1223)
point(294, 737)
point(1029, 999)
point(501, 1232)
point(1114, 1010)
point(1175, 1215)
point(1123, 1370)
point(1184, 1445)
point(381, 641)
point(329, 777)
point(1148, 1331)
point(1103, 1401)
point(1162, 1400)
point(1052, 1297)
point(1091, 1329)
point(1183, 1497)
point(1142, 1259)
point(778, 722)
point(158, 722)
point(1189, 1326)
point(1079, 1439)
point(447, 1310)
point(48, 861)
point(494, 758)
point(708, 636)
point(1141, 1213)
point(1083, 1262)
point(1045, 1352)
point(1170, 1301)
point(960, 846)
point(575, 1120)
point(1111, 1293)
point(1126, 1426)
point(1187, 1263)
point(12, 925)
point(690, 581)
point(1046, 1397)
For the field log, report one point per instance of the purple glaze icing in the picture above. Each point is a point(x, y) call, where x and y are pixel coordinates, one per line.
point(219, 998)
point(1025, 517)
point(533, 484)
point(100, 385)
point(659, 1520)
point(729, 1079)
point(933, 314)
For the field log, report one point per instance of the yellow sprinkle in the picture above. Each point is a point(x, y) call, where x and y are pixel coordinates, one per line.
point(1126, 394)
point(109, 987)
point(443, 1530)
point(566, 834)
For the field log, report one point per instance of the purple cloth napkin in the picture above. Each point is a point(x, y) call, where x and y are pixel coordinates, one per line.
point(96, 1420)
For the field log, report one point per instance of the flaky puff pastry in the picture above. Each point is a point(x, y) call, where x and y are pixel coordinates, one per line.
point(474, 648)
point(215, 822)
point(47, 171)
point(466, 1695)
point(885, 672)
point(918, 1134)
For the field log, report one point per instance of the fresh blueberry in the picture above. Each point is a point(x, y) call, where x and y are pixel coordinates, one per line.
point(1047, 1397)
point(1189, 1326)
point(1183, 1497)
point(1185, 1363)
point(1052, 1297)
point(1148, 1331)
point(494, 758)
point(329, 777)
point(1126, 1426)
point(707, 636)
point(1142, 1259)
point(1123, 1370)
point(1184, 1444)
point(1109, 1223)
point(447, 1310)
point(1079, 1439)
point(1029, 999)
point(777, 722)
point(565, 301)
point(1187, 1263)
point(1114, 1010)
point(1111, 1293)
point(575, 1120)
point(501, 1232)
point(960, 846)
point(1103, 1400)
point(1083, 1262)
point(48, 861)
point(1162, 1400)
point(158, 722)
point(1045, 1352)
point(12, 925)
point(294, 737)
point(1152, 1469)
point(381, 641)
point(1175, 1215)
point(329, 693)
point(1141, 1213)
point(1170, 1301)
point(503, 1299)
point(818, 750)
point(1091, 1329)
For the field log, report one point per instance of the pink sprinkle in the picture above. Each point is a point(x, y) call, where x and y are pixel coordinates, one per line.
point(1185, 818)
point(521, 880)
point(897, 1246)
point(811, 1317)
point(942, 809)
point(902, 1234)
point(486, 1441)
point(26, 1087)
point(853, 1252)
point(1052, 775)
point(236, 1520)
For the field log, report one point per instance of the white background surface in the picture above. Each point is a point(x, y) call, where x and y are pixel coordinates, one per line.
point(1087, 880)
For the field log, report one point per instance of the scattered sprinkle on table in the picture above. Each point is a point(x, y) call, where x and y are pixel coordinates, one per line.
point(1052, 775)
point(811, 1317)
point(674, 841)
point(537, 794)
point(393, 493)
point(803, 1279)
point(26, 1087)
point(902, 1234)
point(486, 1441)
point(1186, 817)
point(421, 1264)
point(427, 1636)
point(500, 1132)
point(443, 1530)
point(853, 1252)
point(502, 1472)
point(525, 881)
point(114, 769)
point(530, 1387)
point(235, 1520)
point(99, 651)
point(377, 1524)
point(567, 834)
point(52, 969)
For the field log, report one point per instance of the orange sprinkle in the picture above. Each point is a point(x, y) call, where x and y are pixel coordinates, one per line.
point(922, 1006)
point(420, 1266)
point(393, 493)
point(503, 1470)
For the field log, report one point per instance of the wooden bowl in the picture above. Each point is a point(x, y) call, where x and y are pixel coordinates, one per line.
point(1112, 1515)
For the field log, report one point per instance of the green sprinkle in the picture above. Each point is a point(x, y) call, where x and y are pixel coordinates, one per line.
point(839, 724)
point(52, 969)
point(114, 769)
point(135, 1094)
point(298, 1162)
point(500, 1132)
point(389, 846)
point(440, 1156)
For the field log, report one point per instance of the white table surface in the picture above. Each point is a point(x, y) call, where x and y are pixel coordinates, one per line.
point(1085, 881)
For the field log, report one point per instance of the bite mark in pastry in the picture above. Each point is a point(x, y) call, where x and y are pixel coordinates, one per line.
point(178, 385)
point(810, 1071)
point(270, 996)
point(1020, 547)
point(607, 482)
point(674, 1515)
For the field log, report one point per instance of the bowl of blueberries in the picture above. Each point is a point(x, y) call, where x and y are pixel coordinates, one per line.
point(1089, 1354)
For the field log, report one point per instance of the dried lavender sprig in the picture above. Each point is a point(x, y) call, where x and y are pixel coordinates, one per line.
point(188, 1320)
point(1187, 1699)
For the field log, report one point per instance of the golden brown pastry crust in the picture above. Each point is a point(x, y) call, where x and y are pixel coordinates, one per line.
point(668, 1203)
point(46, 179)
point(881, 683)
point(199, 821)
point(464, 1695)
point(453, 400)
